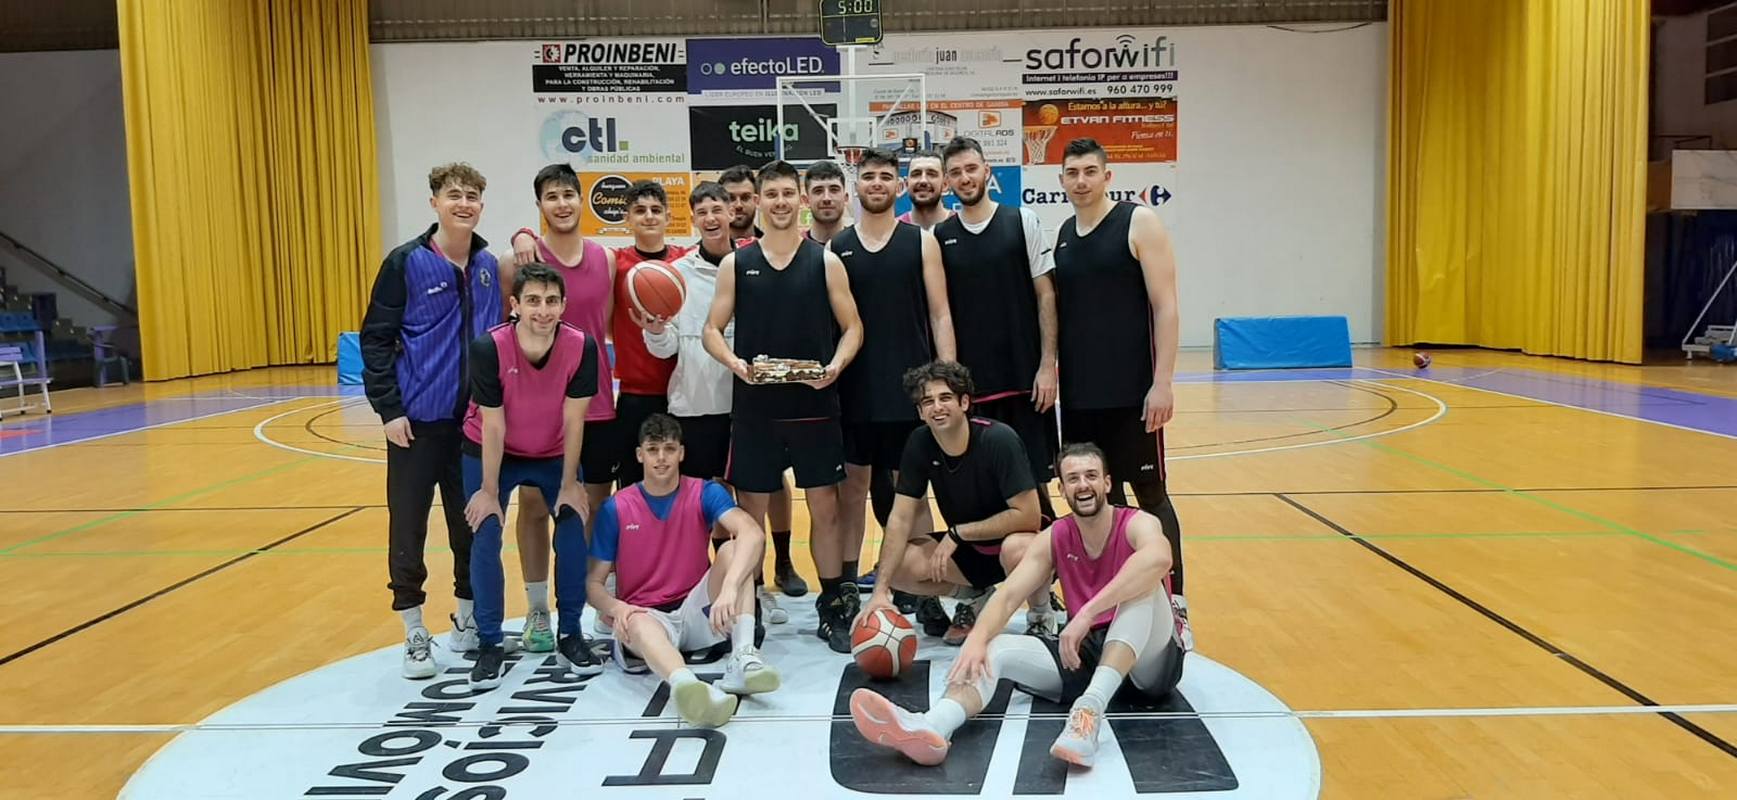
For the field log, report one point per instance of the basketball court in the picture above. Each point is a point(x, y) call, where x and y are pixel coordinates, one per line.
point(1500, 577)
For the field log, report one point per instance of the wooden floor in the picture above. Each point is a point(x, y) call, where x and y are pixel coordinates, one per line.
point(1501, 580)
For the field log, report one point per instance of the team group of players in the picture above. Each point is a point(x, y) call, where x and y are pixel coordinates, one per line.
point(947, 340)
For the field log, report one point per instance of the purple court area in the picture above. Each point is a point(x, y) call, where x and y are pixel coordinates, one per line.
point(36, 431)
point(1701, 412)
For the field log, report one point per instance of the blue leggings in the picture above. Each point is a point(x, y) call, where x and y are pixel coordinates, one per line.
point(487, 579)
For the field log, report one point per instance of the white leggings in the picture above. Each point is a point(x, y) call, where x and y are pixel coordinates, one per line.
point(1147, 625)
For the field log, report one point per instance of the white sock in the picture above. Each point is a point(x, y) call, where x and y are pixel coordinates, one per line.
point(466, 613)
point(946, 715)
point(537, 592)
point(1105, 682)
point(412, 619)
point(681, 677)
point(741, 634)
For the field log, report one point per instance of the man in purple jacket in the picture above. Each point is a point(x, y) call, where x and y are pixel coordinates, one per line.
point(433, 295)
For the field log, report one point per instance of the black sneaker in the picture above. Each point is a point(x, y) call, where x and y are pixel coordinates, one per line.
point(576, 655)
point(933, 616)
point(906, 602)
point(790, 583)
point(836, 615)
point(486, 673)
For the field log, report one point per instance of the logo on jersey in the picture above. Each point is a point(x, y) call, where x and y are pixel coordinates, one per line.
point(750, 272)
point(633, 526)
point(950, 241)
point(843, 253)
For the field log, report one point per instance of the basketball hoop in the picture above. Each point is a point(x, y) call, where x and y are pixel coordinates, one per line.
point(1037, 142)
point(851, 157)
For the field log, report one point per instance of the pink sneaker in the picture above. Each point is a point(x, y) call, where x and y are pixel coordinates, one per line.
point(882, 722)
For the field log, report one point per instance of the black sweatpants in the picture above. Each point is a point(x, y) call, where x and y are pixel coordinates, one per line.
point(412, 473)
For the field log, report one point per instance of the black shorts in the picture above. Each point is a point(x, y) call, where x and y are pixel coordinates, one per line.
point(1133, 454)
point(877, 444)
point(1075, 681)
point(980, 564)
point(608, 455)
point(1036, 431)
point(760, 451)
point(705, 445)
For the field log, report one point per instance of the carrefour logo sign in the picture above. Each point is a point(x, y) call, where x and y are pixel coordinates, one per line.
point(1152, 195)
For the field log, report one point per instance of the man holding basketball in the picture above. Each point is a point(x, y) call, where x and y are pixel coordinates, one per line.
point(790, 298)
point(585, 270)
point(433, 294)
point(982, 483)
point(1122, 635)
point(671, 599)
point(1115, 274)
point(901, 294)
point(531, 381)
point(1003, 301)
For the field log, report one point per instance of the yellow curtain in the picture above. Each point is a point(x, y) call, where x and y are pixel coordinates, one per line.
point(1516, 175)
point(251, 163)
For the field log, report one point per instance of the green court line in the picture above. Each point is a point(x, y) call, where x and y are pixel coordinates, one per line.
point(1587, 516)
point(1259, 537)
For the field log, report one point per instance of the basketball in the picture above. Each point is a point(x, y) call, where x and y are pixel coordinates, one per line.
point(884, 644)
point(1421, 360)
point(1048, 114)
point(656, 289)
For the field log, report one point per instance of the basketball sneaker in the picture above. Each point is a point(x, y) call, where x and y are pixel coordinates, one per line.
point(769, 606)
point(486, 673)
point(1041, 623)
point(883, 722)
point(748, 673)
point(836, 613)
point(1184, 631)
point(964, 619)
point(1078, 744)
point(703, 704)
point(463, 637)
point(790, 583)
point(539, 636)
point(933, 616)
point(577, 656)
point(419, 655)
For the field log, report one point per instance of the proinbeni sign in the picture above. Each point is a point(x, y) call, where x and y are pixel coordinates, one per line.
point(610, 65)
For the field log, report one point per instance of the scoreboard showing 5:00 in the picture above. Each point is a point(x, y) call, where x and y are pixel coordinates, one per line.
point(848, 22)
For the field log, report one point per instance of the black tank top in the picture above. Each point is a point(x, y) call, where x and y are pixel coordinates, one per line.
point(994, 306)
point(888, 286)
point(784, 313)
point(1105, 338)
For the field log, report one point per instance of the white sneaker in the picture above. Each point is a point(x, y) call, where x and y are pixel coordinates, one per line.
point(601, 626)
point(419, 661)
point(702, 704)
point(1184, 631)
point(747, 673)
point(1079, 743)
point(769, 607)
point(463, 638)
point(1041, 623)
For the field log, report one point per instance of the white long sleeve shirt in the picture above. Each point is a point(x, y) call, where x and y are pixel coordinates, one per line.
point(700, 385)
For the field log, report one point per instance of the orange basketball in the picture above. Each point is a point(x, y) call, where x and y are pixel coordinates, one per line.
point(656, 289)
point(884, 644)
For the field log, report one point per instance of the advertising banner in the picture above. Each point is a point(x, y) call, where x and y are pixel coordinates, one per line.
point(605, 196)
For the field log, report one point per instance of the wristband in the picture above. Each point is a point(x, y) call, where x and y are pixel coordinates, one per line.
point(522, 230)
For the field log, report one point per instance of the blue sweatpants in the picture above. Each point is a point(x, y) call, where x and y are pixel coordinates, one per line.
point(487, 579)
